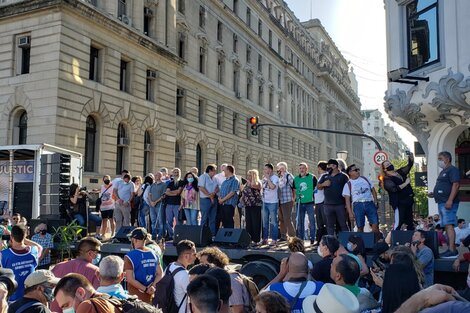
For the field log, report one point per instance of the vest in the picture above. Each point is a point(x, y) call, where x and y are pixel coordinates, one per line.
point(22, 265)
point(145, 265)
point(304, 188)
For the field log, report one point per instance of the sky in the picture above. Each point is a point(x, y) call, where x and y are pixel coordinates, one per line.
point(358, 29)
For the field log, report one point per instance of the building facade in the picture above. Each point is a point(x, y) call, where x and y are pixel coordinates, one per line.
point(145, 84)
point(374, 125)
point(428, 63)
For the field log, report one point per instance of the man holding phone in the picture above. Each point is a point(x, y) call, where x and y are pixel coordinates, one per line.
point(424, 255)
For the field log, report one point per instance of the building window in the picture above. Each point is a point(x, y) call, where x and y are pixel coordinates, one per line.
point(94, 69)
point(260, 63)
point(279, 45)
point(220, 70)
point(124, 76)
point(260, 95)
point(202, 60)
point(248, 17)
point(150, 85)
point(178, 156)
point(148, 19)
point(23, 54)
point(90, 144)
point(249, 87)
point(235, 43)
point(234, 123)
point(260, 28)
point(147, 152)
point(248, 54)
point(220, 31)
point(278, 79)
point(202, 17)
point(271, 101)
point(23, 128)
point(220, 117)
point(279, 141)
point(270, 72)
point(122, 144)
point(423, 33)
point(122, 10)
point(201, 111)
point(270, 137)
point(270, 38)
point(260, 136)
point(181, 45)
point(179, 102)
point(236, 81)
point(181, 6)
point(199, 161)
point(235, 7)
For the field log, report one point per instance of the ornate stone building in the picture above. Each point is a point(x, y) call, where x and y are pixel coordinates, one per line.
point(429, 69)
point(144, 84)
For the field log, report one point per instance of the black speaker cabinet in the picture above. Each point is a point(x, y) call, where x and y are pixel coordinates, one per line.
point(368, 238)
point(233, 236)
point(200, 235)
point(122, 233)
point(401, 237)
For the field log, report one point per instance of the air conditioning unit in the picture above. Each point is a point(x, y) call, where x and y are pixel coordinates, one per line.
point(148, 147)
point(180, 93)
point(24, 41)
point(123, 142)
point(238, 95)
point(148, 12)
point(151, 74)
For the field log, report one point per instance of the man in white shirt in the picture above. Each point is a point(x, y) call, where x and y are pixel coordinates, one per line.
point(220, 177)
point(361, 199)
point(208, 190)
point(319, 198)
point(270, 204)
point(461, 231)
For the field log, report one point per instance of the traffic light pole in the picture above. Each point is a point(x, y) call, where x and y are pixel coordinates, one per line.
point(326, 131)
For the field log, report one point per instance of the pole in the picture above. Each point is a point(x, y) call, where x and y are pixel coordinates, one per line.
point(327, 131)
point(10, 181)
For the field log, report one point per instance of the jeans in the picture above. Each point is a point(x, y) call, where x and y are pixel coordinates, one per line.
point(302, 209)
point(191, 216)
point(270, 219)
point(92, 217)
point(171, 212)
point(208, 212)
point(156, 220)
point(144, 211)
point(335, 213)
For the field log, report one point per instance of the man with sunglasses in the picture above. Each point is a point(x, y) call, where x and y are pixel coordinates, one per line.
point(361, 199)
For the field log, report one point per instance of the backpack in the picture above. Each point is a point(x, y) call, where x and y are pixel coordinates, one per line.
point(126, 305)
point(253, 291)
point(164, 297)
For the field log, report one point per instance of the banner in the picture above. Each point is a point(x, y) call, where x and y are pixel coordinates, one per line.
point(23, 172)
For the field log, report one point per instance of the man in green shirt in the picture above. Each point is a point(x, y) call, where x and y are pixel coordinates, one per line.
point(304, 185)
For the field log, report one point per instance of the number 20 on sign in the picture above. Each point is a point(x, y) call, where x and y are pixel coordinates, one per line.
point(380, 157)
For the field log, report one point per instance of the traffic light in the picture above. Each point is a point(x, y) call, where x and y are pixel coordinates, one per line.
point(254, 125)
point(381, 182)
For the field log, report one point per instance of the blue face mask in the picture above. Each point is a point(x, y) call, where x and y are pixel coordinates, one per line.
point(190, 180)
point(68, 310)
point(97, 259)
point(49, 294)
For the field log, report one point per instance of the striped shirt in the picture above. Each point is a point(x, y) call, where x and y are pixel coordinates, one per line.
point(230, 184)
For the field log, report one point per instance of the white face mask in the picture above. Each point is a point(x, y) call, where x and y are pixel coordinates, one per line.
point(441, 163)
point(320, 252)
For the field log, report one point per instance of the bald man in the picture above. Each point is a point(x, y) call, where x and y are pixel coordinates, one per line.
point(292, 280)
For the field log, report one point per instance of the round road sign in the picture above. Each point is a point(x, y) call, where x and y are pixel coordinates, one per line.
point(380, 157)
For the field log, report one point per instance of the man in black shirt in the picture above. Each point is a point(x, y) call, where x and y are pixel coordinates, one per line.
point(334, 206)
point(173, 200)
point(37, 294)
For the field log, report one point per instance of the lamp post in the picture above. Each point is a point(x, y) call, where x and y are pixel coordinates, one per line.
point(342, 155)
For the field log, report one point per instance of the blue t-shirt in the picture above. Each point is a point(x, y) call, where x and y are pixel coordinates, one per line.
point(444, 182)
point(22, 265)
point(145, 265)
point(290, 289)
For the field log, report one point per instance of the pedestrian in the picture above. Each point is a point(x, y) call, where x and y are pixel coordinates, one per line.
point(111, 273)
point(228, 196)
point(142, 267)
point(327, 249)
point(173, 200)
point(155, 199)
point(124, 192)
point(43, 238)
point(22, 258)
point(334, 204)
point(398, 185)
point(143, 207)
point(271, 302)
point(195, 171)
point(208, 190)
point(137, 180)
point(251, 199)
point(319, 197)
point(79, 205)
point(446, 195)
point(270, 204)
point(361, 200)
point(286, 201)
point(225, 290)
point(190, 198)
point(203, 294)
point(304, 185)
point(107, 207)
point(219, 178)
point(424, 255)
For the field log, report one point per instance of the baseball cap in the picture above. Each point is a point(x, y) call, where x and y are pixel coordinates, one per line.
point(40, 277)
point(138, 233)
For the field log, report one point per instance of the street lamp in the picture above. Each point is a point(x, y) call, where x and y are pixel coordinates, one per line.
point(342, 155)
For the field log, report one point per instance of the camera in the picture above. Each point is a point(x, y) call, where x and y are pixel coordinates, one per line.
point(7, 278)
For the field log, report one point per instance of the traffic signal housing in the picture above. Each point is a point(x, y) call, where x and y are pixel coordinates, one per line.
point(254, 125)
point(381, 182)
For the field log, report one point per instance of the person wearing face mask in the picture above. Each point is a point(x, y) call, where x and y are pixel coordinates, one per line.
point(326, 250)
point(397, 184)
point(42, 237)
point(107, 206)
point(190, 198)
point(142, 266)
point(38, 293)
point(446, 195)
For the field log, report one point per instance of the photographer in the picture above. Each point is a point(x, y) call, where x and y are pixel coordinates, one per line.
point(424, 255)
point(397, 184)
point(79, 207)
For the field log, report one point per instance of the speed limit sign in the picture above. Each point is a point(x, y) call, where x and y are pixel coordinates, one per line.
point(380, 157)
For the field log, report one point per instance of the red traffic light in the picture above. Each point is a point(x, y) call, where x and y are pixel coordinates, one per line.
point(381, 178)
point(254, 120)
point(254, 125)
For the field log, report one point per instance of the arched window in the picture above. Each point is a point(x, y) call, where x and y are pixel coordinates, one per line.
point(148, 148)
point(90, 144)
point(122, 144)
point(23, 128)
point(199, 162)
point(178, 156)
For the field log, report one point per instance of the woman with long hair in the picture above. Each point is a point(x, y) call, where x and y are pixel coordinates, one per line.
point(251, 199)
point(190, 198)
point(137, 180)
point(397, 184)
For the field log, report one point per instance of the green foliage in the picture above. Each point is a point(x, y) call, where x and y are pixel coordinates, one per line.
point(65, 236)
point(421, 196)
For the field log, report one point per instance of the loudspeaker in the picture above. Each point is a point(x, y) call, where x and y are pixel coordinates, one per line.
point(200, 235)
point(368, 238)
point(122, 233)
point(401, 237)
point(233, 236)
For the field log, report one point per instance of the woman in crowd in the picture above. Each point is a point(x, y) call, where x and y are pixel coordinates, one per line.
point(397, 184)
point(357, 247)
point(42, 237)
point(107, 206)
point(79, 207)
point(327, 249)
point(137, 180)
point(297, 245)
point(143, 207)
point(271, 302)
point(190, 198)
point(252, 201)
